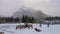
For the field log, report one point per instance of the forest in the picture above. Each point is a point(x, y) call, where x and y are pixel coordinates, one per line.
point(24, 19)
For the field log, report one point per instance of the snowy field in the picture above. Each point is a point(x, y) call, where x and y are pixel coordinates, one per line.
point(10, 29)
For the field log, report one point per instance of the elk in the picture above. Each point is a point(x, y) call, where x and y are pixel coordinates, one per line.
point(28, 25)
point(20, 26)
point(38, 30)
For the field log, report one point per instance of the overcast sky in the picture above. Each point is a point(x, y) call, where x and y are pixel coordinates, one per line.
point(50, 7)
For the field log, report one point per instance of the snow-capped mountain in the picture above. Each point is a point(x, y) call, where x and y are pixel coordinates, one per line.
point(37, 14)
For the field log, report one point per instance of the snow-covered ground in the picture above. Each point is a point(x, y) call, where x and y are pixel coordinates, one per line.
point(10, 29)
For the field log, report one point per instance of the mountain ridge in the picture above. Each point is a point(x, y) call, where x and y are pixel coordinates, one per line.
point(37, 14)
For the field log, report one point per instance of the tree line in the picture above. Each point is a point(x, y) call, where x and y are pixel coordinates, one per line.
point(24, 19)
point(52, 18)
point(8, 19)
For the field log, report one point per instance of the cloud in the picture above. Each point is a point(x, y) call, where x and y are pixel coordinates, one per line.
point(51, 7)
point(7, 7)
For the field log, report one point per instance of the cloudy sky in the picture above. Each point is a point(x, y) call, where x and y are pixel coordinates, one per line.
point(50, 7)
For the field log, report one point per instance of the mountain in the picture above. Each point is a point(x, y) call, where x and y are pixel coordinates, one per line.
point(37, 14)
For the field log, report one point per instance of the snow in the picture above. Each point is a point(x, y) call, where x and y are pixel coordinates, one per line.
point(10, 29)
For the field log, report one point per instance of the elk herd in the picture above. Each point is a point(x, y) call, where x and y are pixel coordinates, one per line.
point(27, 25)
